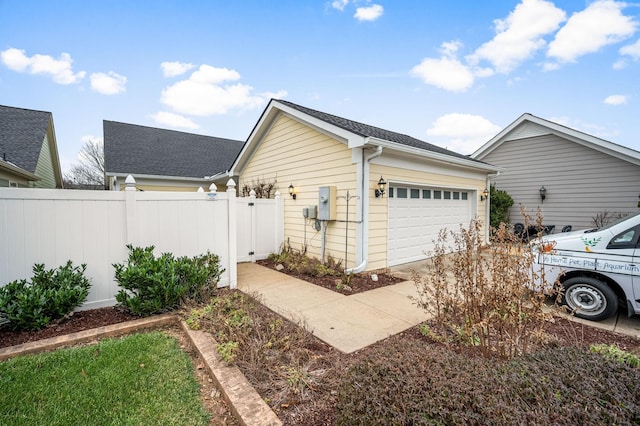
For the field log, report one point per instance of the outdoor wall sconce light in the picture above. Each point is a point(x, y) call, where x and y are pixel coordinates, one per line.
point(484, 195)
point(381, 186)
point(543, 193)
point(292, 191)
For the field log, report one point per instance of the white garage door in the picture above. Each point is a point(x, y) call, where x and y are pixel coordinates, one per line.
point(416, 216)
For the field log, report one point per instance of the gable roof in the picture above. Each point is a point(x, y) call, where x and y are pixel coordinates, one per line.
point(22, 132)
point(366, 130)
point(529, 125)
point(354, 133)
point(141, 150)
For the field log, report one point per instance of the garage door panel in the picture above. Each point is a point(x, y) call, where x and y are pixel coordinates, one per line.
point(414, 223)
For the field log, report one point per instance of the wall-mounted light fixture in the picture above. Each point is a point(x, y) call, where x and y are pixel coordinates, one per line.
point(292, 191)
point(484, 195)
point(543, 193)
point(381, 186)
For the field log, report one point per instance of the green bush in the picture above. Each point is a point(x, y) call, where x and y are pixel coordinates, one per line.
point(50, 295)
point(501, 201)
point(152, 285)
point(416, 384)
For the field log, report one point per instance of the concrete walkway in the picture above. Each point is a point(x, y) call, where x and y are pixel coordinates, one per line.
point(348, 323)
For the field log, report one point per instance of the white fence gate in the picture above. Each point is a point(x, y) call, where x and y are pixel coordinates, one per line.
point(93, 227)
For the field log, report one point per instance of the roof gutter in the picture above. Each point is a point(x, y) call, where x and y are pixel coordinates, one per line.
point(364, 200)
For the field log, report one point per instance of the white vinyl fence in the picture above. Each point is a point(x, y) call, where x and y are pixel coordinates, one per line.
point(52, 226)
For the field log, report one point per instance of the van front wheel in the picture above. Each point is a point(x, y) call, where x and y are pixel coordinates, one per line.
point(589, 298)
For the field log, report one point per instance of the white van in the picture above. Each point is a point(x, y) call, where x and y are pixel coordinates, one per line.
point(598, 268)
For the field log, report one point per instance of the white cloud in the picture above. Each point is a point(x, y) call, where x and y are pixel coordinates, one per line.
point(615, 100)
point(175, 121)
point(59, 69)
point(519, 35)
point(108, 84)
point(446, 72)
point(207, 74)
point(210, 91)
point(632, 50)
point(339, 4)
point(463, 133)
point(173, 69)
point(369, 13)
point(600, 24)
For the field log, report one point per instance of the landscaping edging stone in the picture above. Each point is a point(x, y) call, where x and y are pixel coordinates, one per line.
point(245, 403)
point(83, 336)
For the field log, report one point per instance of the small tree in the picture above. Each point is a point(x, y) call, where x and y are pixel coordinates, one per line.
point(89, 173)
point(501, 201)
point(262, 188)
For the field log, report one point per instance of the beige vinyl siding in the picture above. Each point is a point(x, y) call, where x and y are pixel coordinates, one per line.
point(7, 177)
point(44, 167)
point(378, 210)
point(292, 153)
point(580, 181)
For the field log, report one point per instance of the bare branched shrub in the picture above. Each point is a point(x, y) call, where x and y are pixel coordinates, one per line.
point(483, 296)
point(262, 188)
point(606, 217)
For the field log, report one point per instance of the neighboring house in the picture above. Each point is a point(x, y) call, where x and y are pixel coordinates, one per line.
point(28, 149)
point(582, 175)
point(427, 187)
point(165, 160)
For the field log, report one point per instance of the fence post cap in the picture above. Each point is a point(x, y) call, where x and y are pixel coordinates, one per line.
point(278, 194)
point(213, 188)
point(231, 183)
point(130, 183)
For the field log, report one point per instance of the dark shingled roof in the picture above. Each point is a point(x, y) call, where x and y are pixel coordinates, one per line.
point(366, 130)
point(22, 132)
point(141, 150)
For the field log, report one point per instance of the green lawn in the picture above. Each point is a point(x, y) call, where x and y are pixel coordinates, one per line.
point(142, 379)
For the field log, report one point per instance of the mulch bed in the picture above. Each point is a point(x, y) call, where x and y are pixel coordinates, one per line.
point(359, 282)
point(78, 321)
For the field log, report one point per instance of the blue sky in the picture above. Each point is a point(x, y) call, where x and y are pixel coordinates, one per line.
point(453, 73)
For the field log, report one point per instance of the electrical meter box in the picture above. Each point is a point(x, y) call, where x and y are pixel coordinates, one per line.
point(327, 203)
point(310, 212)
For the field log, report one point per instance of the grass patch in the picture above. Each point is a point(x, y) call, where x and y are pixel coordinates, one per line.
point(135, 380)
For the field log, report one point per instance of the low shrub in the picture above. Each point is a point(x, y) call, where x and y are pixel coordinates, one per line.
point(617, 354)
point(298, 262)
point(415, 384)
point(152, 284)
point(50, 295)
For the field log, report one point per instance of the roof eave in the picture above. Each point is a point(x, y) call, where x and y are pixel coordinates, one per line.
point(602, 145)
point(18, 171)
point(436, 156)
point(159, 177)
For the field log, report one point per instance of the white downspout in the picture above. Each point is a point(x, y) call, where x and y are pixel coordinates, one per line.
point(487, 216)
point(364, 199)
